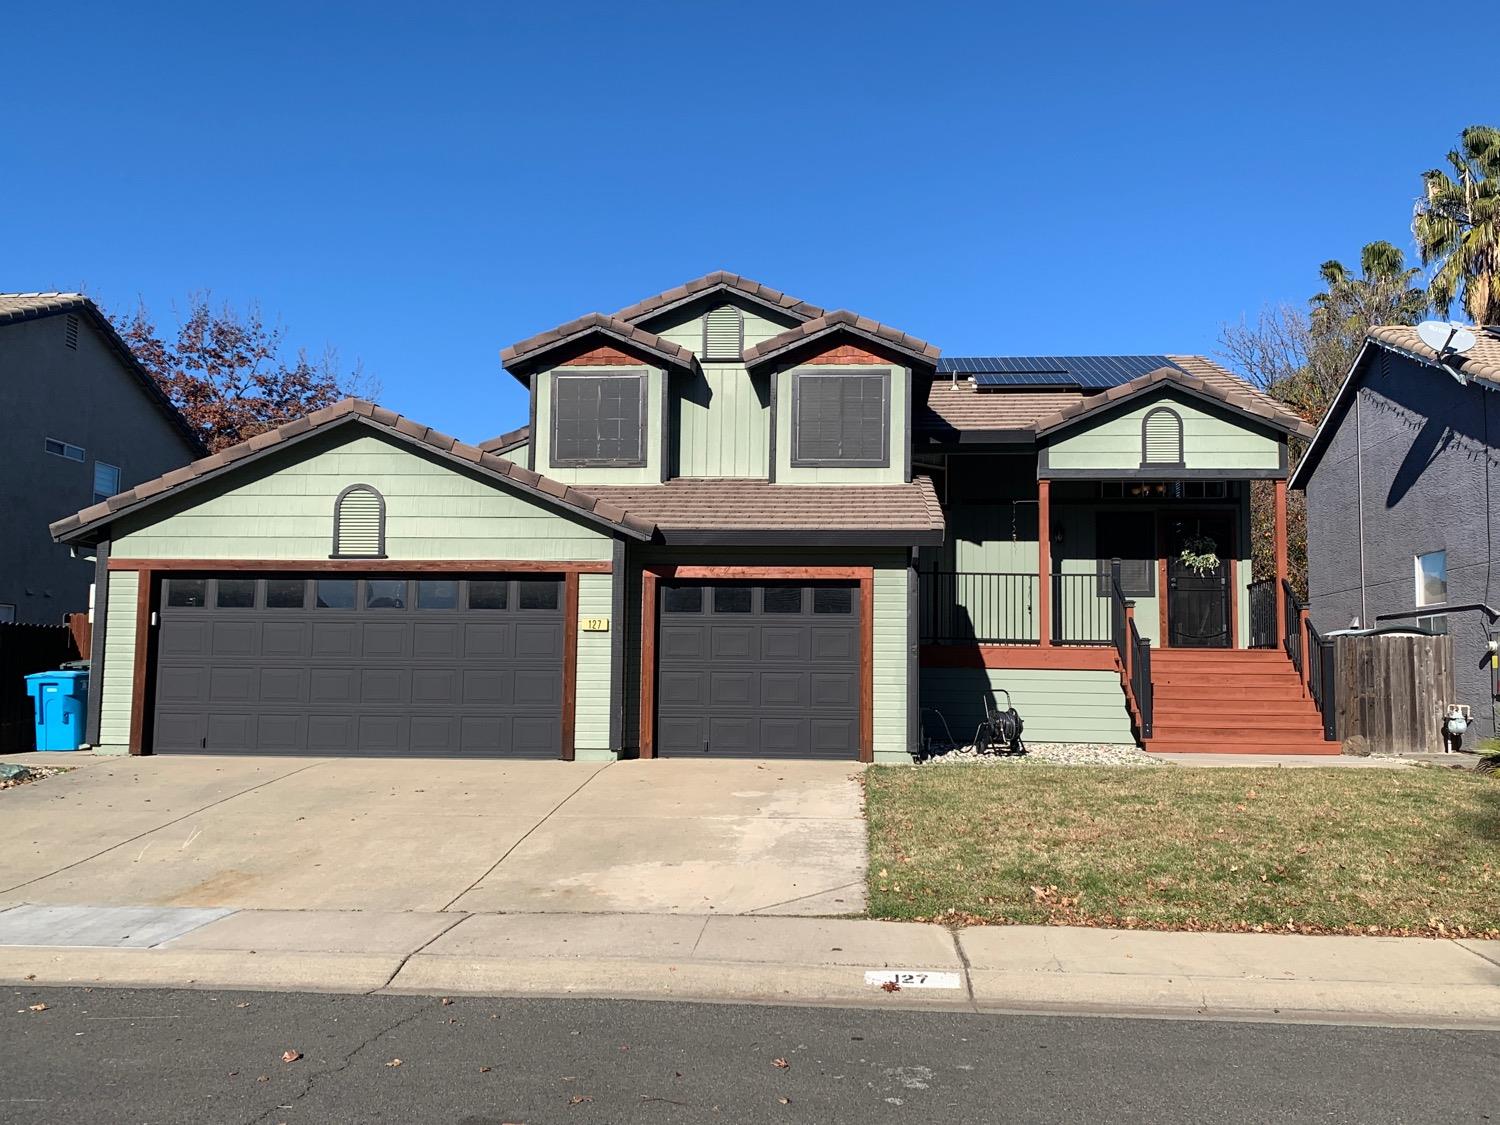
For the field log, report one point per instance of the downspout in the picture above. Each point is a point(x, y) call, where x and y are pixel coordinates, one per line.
point(1359, 476)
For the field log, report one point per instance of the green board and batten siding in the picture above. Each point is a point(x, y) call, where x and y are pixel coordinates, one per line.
point(1211, 439)
point(891, 650)
point(593, 703)
point(721, 420)
point(119, 663)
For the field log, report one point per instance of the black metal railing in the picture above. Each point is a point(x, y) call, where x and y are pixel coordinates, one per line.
point(1081, 614)
point(1140, 678)
point(1320, 680)
point(997, 608)
point(1263, 613)
point(1293, 624)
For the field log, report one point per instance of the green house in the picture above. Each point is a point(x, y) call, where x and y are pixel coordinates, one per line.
point(735, 524)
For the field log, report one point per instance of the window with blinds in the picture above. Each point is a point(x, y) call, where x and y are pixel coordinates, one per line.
point(359, 524)
point(841, 419)
point(598, 419)
point(1131, 538)
point(1161, 438)
point(724, 334)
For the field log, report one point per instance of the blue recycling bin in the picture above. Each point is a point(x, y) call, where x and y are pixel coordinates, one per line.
point(60, 702)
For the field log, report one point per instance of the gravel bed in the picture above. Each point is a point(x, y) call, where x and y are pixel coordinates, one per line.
point(1050, 753)
point(33, 773)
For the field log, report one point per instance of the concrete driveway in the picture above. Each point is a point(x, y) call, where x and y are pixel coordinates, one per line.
point(731, 837)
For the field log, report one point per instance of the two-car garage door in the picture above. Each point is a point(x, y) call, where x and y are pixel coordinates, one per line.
point(334, 664)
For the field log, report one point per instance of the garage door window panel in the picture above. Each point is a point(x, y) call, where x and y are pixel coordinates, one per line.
point(682, 599)
point(235, 593)
point(437, 594)
point(541, 594)
point(286, 593)
point(385, 593)
point(187, 593)
point(336, 593)
point(487, 594)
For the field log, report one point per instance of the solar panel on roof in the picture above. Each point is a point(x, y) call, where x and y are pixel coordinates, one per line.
point(1086, 372)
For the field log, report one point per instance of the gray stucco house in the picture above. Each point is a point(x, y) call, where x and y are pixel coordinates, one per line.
point(1402, 507)
point(80, 420)
point(736, 523)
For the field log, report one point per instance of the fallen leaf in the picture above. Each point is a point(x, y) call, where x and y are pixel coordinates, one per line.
point(780, 1064)
point(891, 986)
point(785, 1101)
point(394, 1062)
point(446, 1001)
point(579, 1099)
point(484, 1070)
point(290, 1056)
point(37, 1008)
point(263, 1078)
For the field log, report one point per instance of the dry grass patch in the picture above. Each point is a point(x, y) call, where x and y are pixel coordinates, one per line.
point(1308, 850)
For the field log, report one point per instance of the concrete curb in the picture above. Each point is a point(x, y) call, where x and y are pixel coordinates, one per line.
point(802, 961)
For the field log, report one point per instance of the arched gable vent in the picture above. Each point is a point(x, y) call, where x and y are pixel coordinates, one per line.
point(359, 524)
point(724, 333)
point(1161, 438)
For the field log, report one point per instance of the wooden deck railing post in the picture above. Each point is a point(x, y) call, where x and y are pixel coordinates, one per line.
point(1044, 561)
point(1279, 538)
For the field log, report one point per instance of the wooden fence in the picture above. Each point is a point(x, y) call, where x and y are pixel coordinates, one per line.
point(1391, 690)
point(25, 649)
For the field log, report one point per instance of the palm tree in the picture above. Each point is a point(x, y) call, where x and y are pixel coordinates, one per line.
point(1457, 226)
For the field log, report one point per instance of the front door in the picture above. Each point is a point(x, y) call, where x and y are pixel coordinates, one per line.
point(1198, 553)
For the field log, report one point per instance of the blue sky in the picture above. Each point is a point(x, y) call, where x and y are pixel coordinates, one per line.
point(418, 186)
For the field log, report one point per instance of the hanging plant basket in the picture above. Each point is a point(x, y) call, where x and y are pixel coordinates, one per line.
point(1200, 554)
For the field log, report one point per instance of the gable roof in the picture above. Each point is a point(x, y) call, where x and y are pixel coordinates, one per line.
point(720, 281)
point(1481, 363)
point(1235, 399)
point(84, 526)
point(522, 358)
point(507, 441)
point(843, 322)
point(18, 307)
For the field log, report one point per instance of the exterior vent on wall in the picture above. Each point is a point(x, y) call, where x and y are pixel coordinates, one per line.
point(359, 524)
point(1161, 438)
point(70, 331)
point(724, 333)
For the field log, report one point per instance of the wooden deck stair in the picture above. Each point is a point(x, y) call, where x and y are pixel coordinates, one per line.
point(1232, 701)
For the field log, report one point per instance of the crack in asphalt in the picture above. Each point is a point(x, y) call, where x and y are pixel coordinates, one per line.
point(318, 1075)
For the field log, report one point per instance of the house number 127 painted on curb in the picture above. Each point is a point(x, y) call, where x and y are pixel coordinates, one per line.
point(902, 978)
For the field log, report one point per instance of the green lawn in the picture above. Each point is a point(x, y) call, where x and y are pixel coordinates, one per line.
point(1311, 850)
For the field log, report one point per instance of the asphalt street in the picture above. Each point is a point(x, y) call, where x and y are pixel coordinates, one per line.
point(123, 1056)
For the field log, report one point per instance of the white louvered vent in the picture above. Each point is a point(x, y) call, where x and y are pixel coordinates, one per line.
point(359, 524)
point(724, 333)
point(1161, 438)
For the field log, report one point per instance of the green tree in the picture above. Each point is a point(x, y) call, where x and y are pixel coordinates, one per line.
point(1457, 227)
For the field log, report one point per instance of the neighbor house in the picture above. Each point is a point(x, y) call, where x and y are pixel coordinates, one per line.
point(1401, 512)
point(735, 524)
point(80, 420)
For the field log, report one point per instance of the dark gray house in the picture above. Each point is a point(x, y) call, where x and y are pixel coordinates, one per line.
point(80, 420)
point(1403, 502)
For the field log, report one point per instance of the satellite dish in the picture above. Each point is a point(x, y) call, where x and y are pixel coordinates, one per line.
point(1446, 337)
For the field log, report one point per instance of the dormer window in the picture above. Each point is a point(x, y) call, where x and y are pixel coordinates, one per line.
point(1161, 438)
point(841, 418)
point(598, 419)
point(724, 334)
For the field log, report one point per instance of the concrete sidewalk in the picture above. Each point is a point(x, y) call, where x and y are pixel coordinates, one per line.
point(766, 959)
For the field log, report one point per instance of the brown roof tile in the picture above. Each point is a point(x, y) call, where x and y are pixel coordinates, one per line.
point(959, 406)
point(507, 441)
point(839, 321)
point(369, 414)
point(1233, 393)
point(1481, 362)
point(720, 280)
point(522, 357)
point(717, 504)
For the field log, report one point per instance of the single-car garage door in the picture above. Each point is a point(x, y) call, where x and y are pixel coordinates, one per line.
point(302, 664)
point(768, 670)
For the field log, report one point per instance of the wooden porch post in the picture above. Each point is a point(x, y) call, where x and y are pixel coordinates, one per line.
point(1280, 547)
point(1044, 561)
